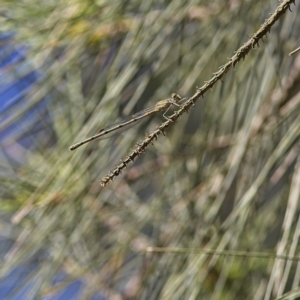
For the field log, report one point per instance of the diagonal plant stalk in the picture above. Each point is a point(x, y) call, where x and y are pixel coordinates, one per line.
point(240, 54)
point(269, 255)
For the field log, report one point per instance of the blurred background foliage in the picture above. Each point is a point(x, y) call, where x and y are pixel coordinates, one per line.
point(226, 176)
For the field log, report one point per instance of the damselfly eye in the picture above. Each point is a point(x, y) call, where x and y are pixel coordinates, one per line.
point(176, 97)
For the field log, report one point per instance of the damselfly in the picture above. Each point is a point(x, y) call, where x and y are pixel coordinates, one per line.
point(127, 123)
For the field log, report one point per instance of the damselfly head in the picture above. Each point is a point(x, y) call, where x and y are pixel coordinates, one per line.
point(176, 97)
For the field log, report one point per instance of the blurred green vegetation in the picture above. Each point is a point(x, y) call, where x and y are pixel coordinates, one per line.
point(226, 176)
